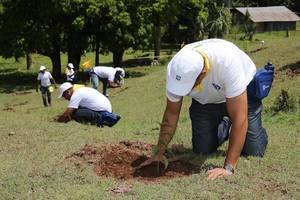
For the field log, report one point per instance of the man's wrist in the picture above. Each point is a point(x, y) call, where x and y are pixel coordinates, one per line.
point(229, 168)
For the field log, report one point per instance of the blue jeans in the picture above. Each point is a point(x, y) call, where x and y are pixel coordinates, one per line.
point(95, 83)
point(99, 118)
point(209, 129)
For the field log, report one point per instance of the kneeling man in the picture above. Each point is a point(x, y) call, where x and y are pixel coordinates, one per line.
point(87, 105)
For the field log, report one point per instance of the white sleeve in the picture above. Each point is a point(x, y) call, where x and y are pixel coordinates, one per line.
point(111, 77)
point(39, 77)
point(50, 76)
point(74, 101)
point(173, 97)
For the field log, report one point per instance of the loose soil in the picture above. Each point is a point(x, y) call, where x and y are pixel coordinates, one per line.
point(21, 93)
point(11, 107)
point(120, 161)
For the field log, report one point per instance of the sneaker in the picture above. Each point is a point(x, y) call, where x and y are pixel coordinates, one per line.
point(224, 129)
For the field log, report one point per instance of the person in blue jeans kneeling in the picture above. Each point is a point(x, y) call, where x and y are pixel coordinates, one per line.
point(215, 73)
point(86, 105)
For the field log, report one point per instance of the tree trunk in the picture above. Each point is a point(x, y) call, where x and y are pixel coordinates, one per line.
point(118, 57)
point(157, 40)
point(97, 49)
point(229, 3)
point(28, 61)
point(56, 64)
point(74, 58)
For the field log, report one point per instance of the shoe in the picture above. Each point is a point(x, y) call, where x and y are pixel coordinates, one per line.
point(224, 129)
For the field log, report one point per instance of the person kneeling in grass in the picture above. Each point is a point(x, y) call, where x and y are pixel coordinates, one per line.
point(215, 73)
point(87, 105)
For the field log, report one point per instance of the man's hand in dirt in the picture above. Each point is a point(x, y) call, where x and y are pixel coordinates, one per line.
point(152, 159)
point(217, 173)
point(62, 118)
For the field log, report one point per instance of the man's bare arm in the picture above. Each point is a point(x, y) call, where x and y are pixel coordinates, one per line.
point(66, 116)
point(112, 84)
point(168, 125)
point(238, 111)
point(167, 131)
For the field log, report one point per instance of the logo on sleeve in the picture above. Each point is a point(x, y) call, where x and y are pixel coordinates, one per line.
point(178, 78)
point(217, 87)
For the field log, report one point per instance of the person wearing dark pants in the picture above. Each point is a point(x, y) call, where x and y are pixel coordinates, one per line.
point(211, 127)
point(46, 96)
point(109, 76)
point(44, 80)
point(87, 106)
point(215, 73)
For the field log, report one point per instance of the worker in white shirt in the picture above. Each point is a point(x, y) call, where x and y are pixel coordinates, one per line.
point(86, 105)
point(70, 73)
point(44, 80)
point(215, 74)
point(109, 76)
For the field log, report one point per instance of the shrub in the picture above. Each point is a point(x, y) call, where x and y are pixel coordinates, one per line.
point(284, 102)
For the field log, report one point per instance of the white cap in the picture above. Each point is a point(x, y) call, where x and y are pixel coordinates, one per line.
point(122, 71)
point(42, 68)
point(63, 87)
point(70, 65)
point(183, 70)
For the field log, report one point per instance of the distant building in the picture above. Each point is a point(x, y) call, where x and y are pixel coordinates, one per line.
point(273, 18)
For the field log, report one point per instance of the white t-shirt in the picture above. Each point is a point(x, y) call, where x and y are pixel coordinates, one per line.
point(44, 78)
point(89, 98)
point(105, 72)
point(70, 74)
point(231, 70)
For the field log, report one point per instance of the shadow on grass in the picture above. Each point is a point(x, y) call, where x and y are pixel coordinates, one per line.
point(8, 70)
point(134, 62)
point(12, 80)
point(12, 88)
point(199, 159)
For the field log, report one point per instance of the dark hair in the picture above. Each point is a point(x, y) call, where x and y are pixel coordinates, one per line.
point(118, 76)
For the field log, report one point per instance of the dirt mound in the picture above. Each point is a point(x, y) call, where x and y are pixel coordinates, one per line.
point(120, 161)
point(21, 93)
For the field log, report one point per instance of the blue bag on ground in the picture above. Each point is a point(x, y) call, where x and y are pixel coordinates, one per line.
point(108, 119)
point(261, 84)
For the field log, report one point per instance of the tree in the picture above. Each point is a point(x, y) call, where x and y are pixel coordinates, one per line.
point(189, 23)
point(99, 18)
point(36, 28)
point(125, 30)
point(75, 37)
point(159, 13)
point(219, 20)
point(248, 27)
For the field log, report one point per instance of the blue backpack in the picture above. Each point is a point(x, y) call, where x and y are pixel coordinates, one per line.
point(107, 119)
point(261, 84)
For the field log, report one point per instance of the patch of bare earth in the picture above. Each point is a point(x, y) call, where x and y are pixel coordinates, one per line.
point(120, 161)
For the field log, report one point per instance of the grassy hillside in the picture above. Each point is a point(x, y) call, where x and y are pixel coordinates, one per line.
point(33, 148)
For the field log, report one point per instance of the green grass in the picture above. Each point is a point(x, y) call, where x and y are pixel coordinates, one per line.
point(33, 148)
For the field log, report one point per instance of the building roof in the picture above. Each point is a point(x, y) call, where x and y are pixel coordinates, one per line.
point(269, 14)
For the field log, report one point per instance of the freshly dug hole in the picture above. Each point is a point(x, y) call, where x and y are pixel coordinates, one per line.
point(120, 160)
